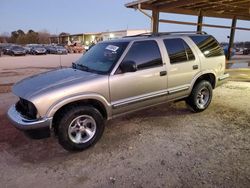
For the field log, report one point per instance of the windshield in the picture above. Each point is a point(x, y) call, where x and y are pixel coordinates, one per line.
point(17, 48)
point(102, 57)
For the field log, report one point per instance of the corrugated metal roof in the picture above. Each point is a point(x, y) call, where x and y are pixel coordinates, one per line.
point(211, 8)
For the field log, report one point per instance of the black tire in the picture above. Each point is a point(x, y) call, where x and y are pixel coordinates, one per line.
point(202, 91)
point(68, 117)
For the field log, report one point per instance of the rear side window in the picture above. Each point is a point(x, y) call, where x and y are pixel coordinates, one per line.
point(145, 54)
point(178, 50)
point(208, 45)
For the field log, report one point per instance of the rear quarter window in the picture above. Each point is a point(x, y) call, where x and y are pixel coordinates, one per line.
point(208, 45)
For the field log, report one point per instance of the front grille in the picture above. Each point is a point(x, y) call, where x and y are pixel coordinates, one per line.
point(26, 109)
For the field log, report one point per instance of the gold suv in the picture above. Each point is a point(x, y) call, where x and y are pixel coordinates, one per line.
point(117, 77)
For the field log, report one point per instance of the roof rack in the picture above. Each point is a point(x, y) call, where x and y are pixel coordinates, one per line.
point(150, 34)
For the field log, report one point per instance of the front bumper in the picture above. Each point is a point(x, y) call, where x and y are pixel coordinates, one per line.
point(25, 124)
point(19, 53)
point(40, 52)
point(222, 79)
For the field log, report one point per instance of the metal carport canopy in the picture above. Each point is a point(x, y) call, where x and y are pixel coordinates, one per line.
point(210, 8)
point(231, 9)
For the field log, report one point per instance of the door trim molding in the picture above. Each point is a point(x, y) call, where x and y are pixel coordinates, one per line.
point(141, 98)
point(178, 89)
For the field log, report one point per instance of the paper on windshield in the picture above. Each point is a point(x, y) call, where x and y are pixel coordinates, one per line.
point(112, 48)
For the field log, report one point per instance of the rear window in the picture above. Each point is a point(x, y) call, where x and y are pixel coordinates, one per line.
point(208, 45)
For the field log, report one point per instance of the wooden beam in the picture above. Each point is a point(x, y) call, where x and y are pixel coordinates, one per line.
point(231, 40)
point(203, 25)
point(200, 22)
point(205, 13)
point(176, 4)
point(155, 21)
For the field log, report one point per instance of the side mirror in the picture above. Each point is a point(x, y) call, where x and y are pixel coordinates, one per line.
point(128, 66)
point(73, 65)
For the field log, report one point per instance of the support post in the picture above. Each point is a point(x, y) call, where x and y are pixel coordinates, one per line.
point(155, 21)
point(231, 40)
point(200, 22)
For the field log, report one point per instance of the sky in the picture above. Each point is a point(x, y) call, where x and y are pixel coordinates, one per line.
point(79, 16)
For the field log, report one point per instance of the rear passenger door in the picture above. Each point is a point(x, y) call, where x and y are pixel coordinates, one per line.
point(182, 67)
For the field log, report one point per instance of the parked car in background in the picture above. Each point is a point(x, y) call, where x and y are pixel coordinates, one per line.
point(246, 51)
point(56, 50)
point(238, 51)
point(1, 48)
point(16, 50)
point(6, 48)
point(49, 49)
point(225, 49)
point(28, 48)
point(38, 50)
point(61, 50)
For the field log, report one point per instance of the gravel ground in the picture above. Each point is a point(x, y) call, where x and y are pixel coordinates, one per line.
point(164, 146)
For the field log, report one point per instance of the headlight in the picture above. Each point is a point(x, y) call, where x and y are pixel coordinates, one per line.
point(26, 108)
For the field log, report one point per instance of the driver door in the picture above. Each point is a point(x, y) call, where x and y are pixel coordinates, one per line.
point(147, 86)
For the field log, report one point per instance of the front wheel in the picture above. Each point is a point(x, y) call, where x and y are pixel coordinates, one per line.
point(201, 96)
point(80, 127)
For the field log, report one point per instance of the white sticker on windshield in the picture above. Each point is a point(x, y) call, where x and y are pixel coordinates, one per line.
point(112, 48)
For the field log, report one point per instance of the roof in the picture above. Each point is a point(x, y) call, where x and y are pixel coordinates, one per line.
point(157, 35)
point(211, 8)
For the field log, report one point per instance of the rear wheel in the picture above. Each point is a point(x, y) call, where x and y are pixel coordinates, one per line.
point(201, 96)
point(80, 127)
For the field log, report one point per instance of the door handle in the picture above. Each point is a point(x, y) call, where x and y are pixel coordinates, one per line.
point(163, 73)
point(195, 67)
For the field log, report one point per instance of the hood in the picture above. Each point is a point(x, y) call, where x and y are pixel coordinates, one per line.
point(48, 81)
point(18, 50)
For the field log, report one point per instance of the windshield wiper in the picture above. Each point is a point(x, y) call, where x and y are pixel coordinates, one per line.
point(83, 67)
point(80, 67)
point(73, 65)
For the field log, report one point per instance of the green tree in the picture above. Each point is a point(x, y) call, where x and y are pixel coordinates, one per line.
point(44, 37)
point(32, 37)
point(14, 36)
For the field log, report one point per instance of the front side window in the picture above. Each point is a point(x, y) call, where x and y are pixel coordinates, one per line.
point(102, 57)
point(208, 45)
point(145, 54)
point(178, 50)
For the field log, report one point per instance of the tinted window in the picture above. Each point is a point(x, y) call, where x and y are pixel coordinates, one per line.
point(189, 52)
point(145, 54)
point(208, 45)
point(178, 50)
